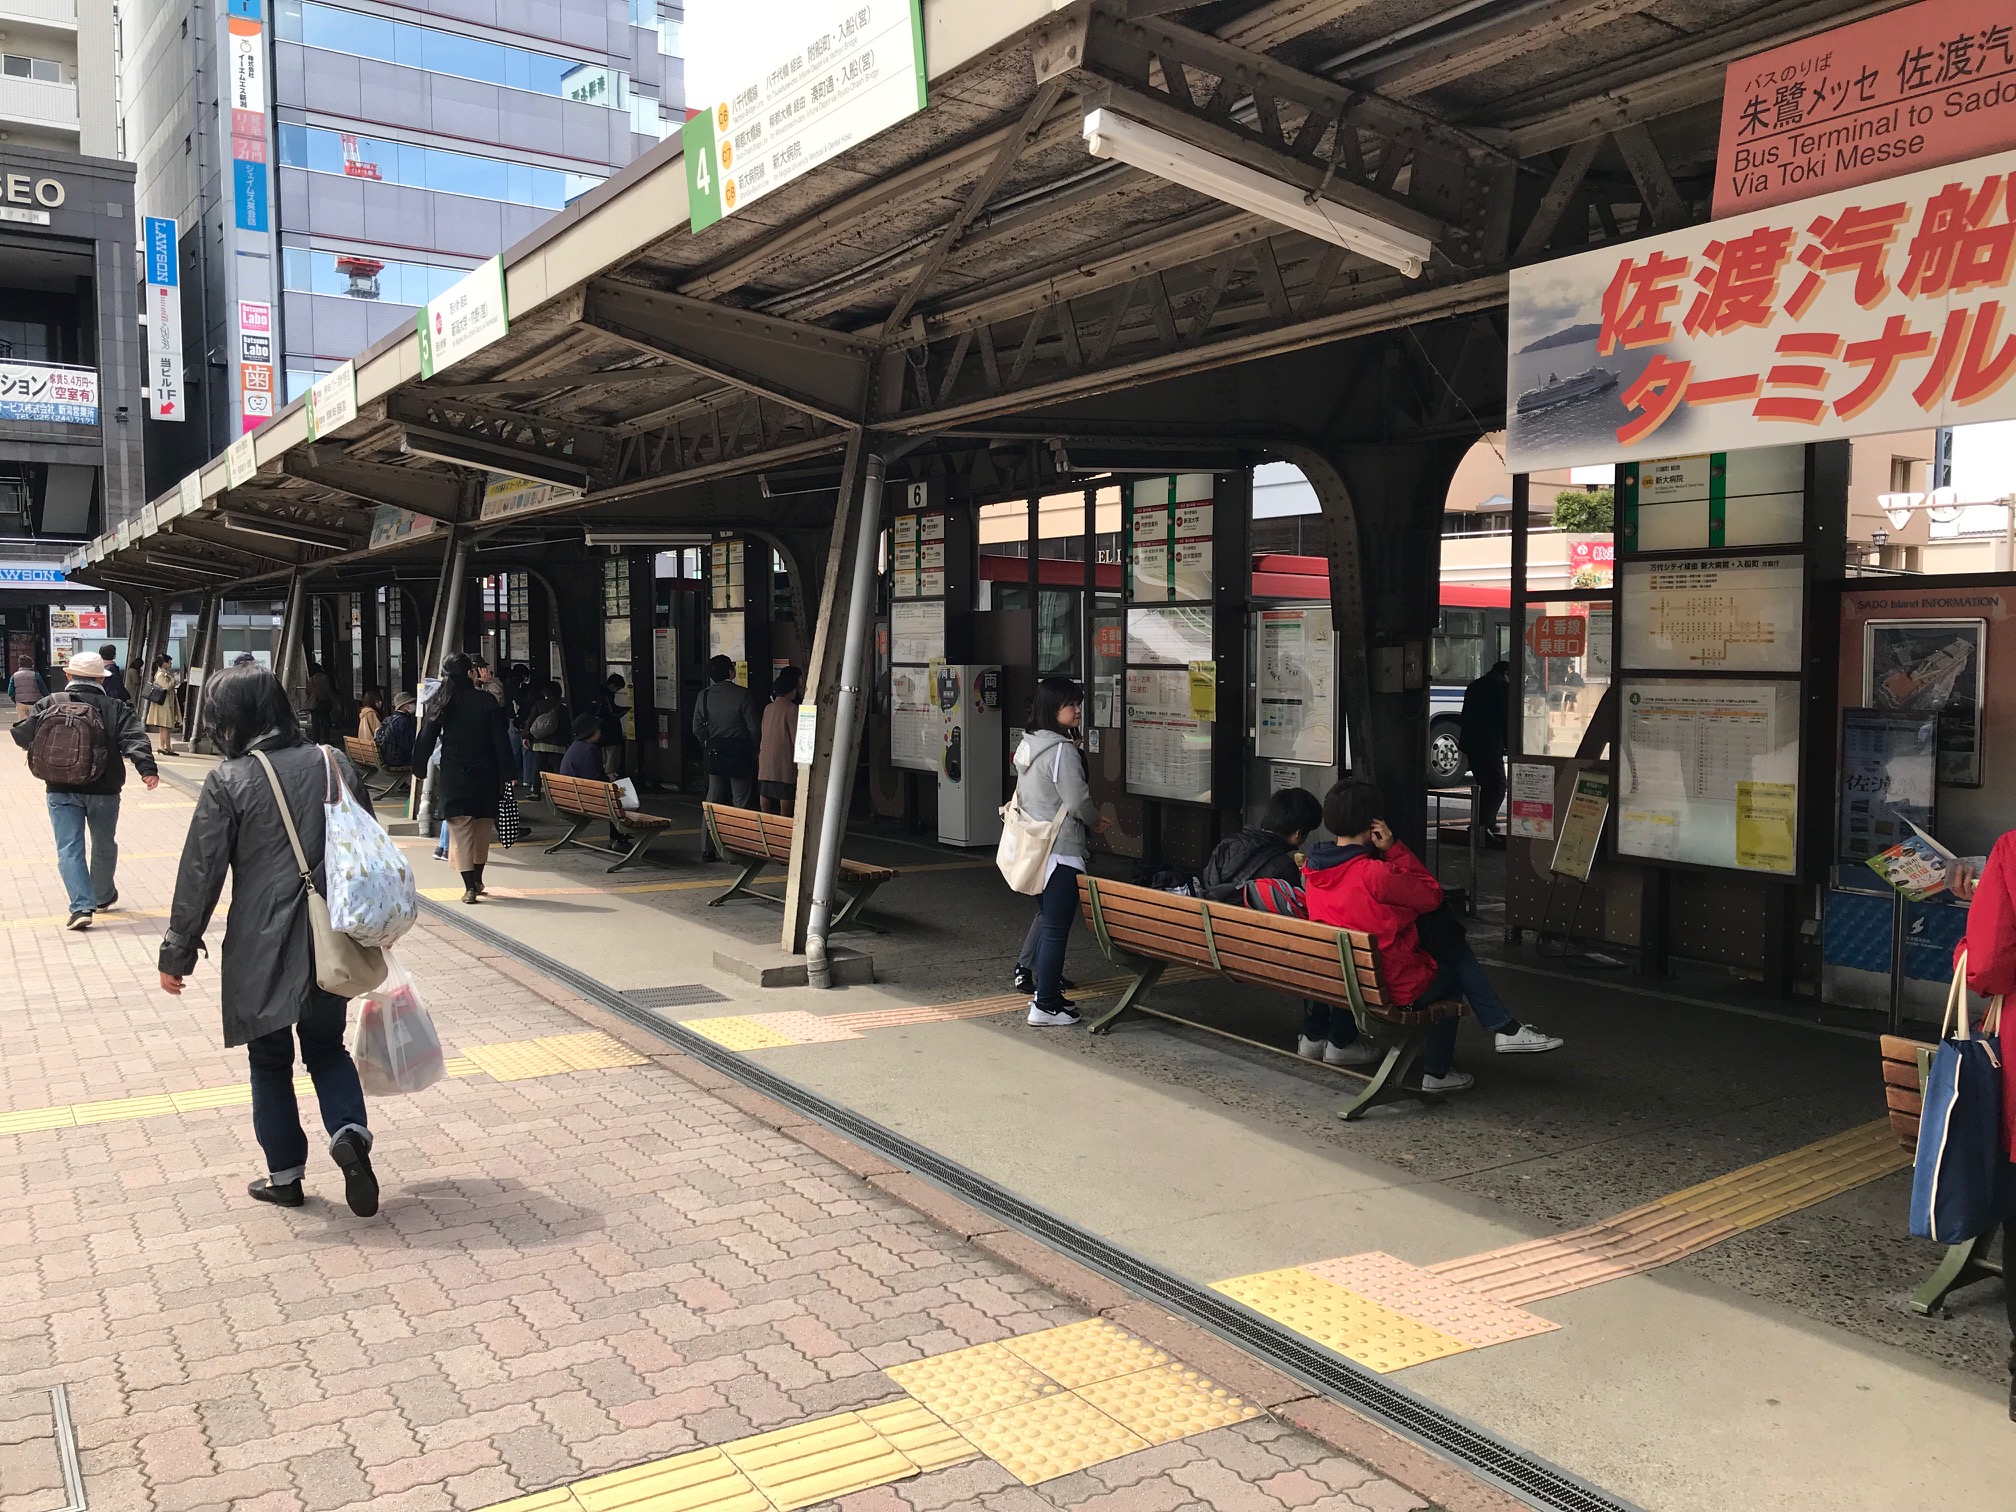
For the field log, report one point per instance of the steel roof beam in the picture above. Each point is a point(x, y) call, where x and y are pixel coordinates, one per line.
point(1284, 20)
point(483, 454)
point(805, 367)
point(376, 483)
point(1466, 48)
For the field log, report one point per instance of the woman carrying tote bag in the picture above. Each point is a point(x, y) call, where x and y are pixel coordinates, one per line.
point(267, 965)
point(1050, 782)
point(1988, 956)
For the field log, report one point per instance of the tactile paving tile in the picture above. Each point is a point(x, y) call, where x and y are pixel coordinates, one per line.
point(28, 1120)
point(1080, 1353)
point(804, 1028)
point(211, 1097)
point(1337, 1318)
point(1800, 1178)
point(1167, 1403)
point(737, 1032)
point(923, 1437)
point(818, 1461)
point(594, 1051)
point(121, 1107)
point(969, 1383)
point(1437, 1301)
point(516, 1060)
point(1040, 1441)
point(461, 1065)
point(703, 1481)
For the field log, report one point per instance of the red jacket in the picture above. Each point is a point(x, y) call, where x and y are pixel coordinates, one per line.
point(1355, 887)
point(1991, 923)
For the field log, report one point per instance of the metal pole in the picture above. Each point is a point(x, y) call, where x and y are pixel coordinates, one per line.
point(290, 628)
point(840, 776)
point(203, 664)
point(1900, 937)
point(441, 635)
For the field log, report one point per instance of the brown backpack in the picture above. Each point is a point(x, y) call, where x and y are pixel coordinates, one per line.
point(69, 747)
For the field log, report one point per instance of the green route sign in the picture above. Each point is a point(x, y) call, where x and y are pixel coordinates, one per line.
point(860, 74)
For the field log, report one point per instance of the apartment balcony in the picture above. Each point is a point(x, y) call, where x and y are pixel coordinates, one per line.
point(38, 102)
point(61, 14)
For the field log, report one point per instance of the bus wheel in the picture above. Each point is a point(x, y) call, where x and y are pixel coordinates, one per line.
point(1445, 757)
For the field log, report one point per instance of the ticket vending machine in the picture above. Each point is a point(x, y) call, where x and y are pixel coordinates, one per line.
point(969, 758)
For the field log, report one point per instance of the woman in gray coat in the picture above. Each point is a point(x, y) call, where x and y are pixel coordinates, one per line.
point(1049, 777)
point(267, 979)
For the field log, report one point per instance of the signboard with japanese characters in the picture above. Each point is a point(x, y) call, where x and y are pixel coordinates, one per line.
point(471, 315)
point(163, 264)
point(332, 402)
point(43, 391)
point(1913, 88)
point(1861, 312)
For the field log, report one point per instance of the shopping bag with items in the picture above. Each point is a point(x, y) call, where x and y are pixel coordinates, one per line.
point(1960, 1184)
point(395, 1046)
point(368, 885)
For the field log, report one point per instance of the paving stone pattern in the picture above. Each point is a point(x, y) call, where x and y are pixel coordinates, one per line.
point(570, 1275)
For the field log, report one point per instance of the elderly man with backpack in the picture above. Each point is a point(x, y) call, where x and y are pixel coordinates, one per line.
point(75, 741)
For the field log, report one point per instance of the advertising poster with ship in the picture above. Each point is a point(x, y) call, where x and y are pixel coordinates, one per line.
point(1881, 308)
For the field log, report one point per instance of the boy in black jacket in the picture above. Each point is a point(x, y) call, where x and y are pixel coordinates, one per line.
point(1265, 850)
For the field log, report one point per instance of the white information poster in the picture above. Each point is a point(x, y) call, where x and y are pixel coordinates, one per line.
point(471, 315)
point(1173, 636)
point(1729, 614)
point(1296, 687)
point(1168, 751)
point(1151, 555)
point(665, 670)
point(1709, 773)
point(915, 740)
point(916, 633)
point(1532, 801)
point(728, 635)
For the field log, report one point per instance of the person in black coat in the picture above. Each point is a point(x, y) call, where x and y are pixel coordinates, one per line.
point(477, 760)
point(267, 962)
point(1485, 736)
point(1266, 849)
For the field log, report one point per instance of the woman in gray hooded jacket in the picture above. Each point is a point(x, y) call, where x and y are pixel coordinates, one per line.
point(1050, 778)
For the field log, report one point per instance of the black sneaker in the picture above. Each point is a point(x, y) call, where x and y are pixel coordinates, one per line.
point(1044, 1018)
point(360, 1182)
point(79, 920)
point(105, 903)
point(281, 1194)
point(1025, 981)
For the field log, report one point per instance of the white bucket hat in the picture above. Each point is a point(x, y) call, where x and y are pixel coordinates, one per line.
point(86, 664)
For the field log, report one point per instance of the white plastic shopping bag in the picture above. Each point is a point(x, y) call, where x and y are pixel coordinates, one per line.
point(394, 1045)
point(368, 885)
point(626, 791)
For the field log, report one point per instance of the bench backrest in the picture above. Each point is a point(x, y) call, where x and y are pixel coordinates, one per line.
point(1904, 1065)
point(749, 833)
point(363, 753)
point(1339, 966)
point(583, 795)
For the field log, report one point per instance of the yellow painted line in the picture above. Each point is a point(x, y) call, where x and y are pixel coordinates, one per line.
point(99, 921)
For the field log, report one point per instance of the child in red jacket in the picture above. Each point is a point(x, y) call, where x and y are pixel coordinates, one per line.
point(1369, 881)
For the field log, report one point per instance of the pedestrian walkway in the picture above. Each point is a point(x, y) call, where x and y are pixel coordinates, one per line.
point(602, 1278)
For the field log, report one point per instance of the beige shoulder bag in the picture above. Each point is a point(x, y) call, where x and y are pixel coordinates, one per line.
point(342, 966)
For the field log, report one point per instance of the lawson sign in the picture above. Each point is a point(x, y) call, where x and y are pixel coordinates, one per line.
point(33, 575)
point(44, 391)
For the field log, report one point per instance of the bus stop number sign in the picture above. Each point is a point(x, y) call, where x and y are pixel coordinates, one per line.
point(1558, 635)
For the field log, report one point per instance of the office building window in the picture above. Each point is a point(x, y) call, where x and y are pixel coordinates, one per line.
point(348, 31)
point(14, 66)
point(355, 275)
point(355, 156)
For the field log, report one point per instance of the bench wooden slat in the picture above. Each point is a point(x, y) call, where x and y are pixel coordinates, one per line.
point(1126, 897)
point(1231, 923)
point(763, 839)
point(1245, 962)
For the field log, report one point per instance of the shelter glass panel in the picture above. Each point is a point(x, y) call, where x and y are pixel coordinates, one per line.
point(1567, 672)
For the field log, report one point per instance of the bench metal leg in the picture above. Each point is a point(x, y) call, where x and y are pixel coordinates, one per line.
point(847, 917)
point(638, 846)
point(1137, 989)
point(567, 839)
point(1386, 1083)
point(749, 871)
point(1963, 1266)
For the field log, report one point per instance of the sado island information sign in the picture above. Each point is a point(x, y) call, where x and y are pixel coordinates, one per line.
point(471, 315)
point(1913, 88)
point(859, 75)
point(1862, 312)
point(43, 391)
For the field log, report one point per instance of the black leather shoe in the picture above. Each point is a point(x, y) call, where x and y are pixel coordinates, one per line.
point(284, 1194)
point(360, 1182)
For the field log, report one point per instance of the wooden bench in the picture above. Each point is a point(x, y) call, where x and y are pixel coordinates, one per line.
point(1905, 1062)
point(758, 839)
point(1146, 931)
point(585, 802)
point(363, 754)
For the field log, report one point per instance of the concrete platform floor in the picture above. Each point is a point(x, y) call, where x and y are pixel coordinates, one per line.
point(1780, 1369)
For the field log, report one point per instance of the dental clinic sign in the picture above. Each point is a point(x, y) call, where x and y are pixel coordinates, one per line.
point(1875, 309)
point(42, 391)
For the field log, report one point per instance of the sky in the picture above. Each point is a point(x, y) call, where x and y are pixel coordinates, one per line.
point(721, 51)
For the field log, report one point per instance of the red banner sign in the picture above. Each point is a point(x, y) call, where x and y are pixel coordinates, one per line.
point(1558, 635)
point(1915, 88)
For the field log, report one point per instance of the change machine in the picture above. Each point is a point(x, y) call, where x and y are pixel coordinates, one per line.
point(969, 759)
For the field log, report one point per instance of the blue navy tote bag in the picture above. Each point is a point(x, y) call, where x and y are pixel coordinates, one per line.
point(1959, 1188)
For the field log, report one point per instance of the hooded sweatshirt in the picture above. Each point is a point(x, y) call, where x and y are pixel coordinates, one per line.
point(1354, 887)
point(1049, 775)
point(1245, 857)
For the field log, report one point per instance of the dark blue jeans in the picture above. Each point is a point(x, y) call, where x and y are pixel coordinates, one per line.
point(276, 1118)
point(1460, 976)
point(1055, 908)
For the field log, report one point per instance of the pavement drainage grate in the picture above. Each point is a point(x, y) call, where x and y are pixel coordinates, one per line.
point(39, 1449)
point(687, 996)
point(1533, 1480)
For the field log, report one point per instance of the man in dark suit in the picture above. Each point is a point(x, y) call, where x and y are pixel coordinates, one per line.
point(1485, 736)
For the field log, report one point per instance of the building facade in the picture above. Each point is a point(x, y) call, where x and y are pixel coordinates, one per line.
point(330, 167)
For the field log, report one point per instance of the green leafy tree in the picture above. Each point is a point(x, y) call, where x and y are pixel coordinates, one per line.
point(1585, 511)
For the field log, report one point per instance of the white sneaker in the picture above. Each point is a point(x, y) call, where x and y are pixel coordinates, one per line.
point(1528, 1041)
point(1357, 1053)
point(1455, 1081)
point(1310, 1049)
point(1039, 1019)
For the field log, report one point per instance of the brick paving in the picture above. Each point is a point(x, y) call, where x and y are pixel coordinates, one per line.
point(571, 1274)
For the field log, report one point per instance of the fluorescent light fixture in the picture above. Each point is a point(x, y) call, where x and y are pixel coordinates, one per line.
point(1116, 136)
point(666, 539)
point(284, 530)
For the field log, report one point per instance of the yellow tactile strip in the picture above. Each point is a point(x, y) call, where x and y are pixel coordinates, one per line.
point(1341, 1320)
point(1048, 1403)
point(1435, 1300)
point(551, 1055)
